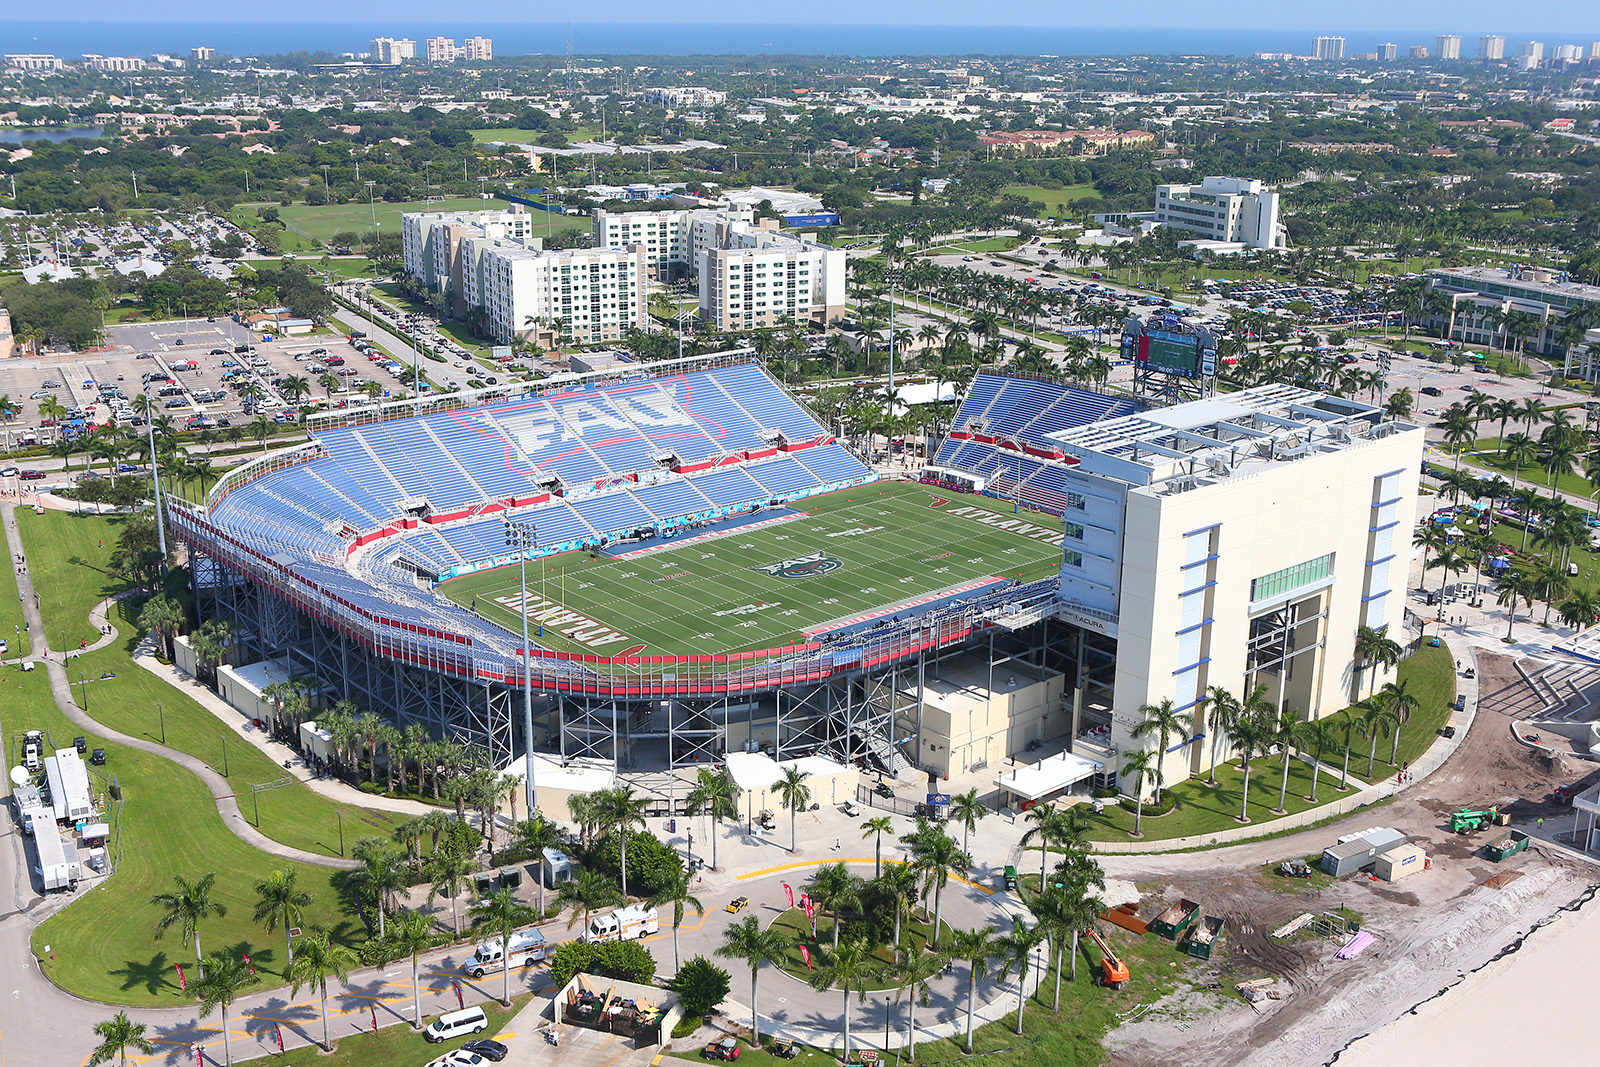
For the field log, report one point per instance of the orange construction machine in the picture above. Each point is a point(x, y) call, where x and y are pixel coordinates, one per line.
point(1113, 972)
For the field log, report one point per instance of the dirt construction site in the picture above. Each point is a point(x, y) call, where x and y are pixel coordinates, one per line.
point(1302, 1005)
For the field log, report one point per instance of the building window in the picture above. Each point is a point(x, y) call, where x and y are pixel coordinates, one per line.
point(1071, 558)
point(1276, 584)
point(1077, 501)
point(1073, 530)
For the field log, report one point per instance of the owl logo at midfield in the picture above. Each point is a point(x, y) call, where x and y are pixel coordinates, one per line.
point(802, 566)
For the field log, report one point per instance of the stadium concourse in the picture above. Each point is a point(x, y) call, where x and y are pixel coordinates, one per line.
point(333, 559)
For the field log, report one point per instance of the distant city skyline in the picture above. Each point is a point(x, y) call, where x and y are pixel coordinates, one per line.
point(1468, 18)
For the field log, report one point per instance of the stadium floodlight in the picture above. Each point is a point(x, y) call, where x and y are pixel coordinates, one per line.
point(892, 276)
point(524, 536)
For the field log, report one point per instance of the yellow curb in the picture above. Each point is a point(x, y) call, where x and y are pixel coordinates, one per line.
point(824, 863)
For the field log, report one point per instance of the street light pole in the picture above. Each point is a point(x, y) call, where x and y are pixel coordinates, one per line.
point(524, 536)
point(892, 275)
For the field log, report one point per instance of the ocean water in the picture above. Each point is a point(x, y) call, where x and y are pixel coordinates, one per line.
point(70, 39)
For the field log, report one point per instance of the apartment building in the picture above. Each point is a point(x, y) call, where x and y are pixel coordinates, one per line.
point(753, 276)
point(586, 295)
point(115, 64)
point(1447, 46)
point(30, 61)
point(476, 49)
point(393, 50)
point(666, 237)
point(442, 50)
point(1327, 48)
point(431, 247)
point(1491, 47)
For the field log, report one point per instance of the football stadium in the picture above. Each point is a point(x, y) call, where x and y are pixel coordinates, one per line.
point(703, 567)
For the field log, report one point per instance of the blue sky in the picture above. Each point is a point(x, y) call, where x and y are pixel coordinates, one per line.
point(1569, 17)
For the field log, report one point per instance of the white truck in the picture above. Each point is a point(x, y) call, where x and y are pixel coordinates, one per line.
point(30, 808)
point(55, 870)
point(33, 750)
point(527, 948)
point(637, 920)
point(68, 784)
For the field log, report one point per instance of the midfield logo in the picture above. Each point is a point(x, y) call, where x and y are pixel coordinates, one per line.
point(802, 566)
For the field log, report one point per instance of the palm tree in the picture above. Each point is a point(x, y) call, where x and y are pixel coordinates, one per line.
point(500, 913)
point(1137, 763)
point(716, 795)
point(877, 826)
point(1015, 950)
point(1282, 732)
point(318, 960)
point(116, 1035)
point(899, 882)
point(936, 855)
point(1374, 648)
point(1449, 561)
point(977, 947)
point(849, 966)
point(448, 870)
point(219, 988)
point(1161, 720)
point(535, 834)
point(1403, 704)
point(677, 890)
point(280, 901)
point(834, 888)
point(1316, 736)
point(968, 810)
point(1513, 586)
point(911, 973)
point(621, 809)
point(587, 891)
point(185, 907)
point(380, 874)
point(1376, 718)
point(1248, 737)
point(1581, 610)
point(1550, 579)
point(1222, 710)
point(794, 794)
point(747, 941)
point(412, 935)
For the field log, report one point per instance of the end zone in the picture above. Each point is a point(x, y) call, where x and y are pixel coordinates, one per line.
point(722, 529)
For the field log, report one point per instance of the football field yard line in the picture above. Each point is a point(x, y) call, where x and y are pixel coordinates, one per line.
point(897, 563)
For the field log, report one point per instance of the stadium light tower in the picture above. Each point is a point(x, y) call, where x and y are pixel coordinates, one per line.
point(892, 276)
point(523, 536)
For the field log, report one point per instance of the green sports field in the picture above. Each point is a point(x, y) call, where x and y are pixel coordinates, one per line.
point(880, 545)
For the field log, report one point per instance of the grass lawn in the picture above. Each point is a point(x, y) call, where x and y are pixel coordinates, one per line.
point(1485, 453)
point(884, 544)
point(67, 558)
point(1068, 1038)
point(1054, 200)
point(136, 702)
point(102, 946)
point(1203, 809)
point(990, 244)
point(323, 221)
point(512, 135)
point(392, 1046)
point(11, 628)
point(794, 925)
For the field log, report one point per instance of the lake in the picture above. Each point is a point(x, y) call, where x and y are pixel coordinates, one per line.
point(47, 133)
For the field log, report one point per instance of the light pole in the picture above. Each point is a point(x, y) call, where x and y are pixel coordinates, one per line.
point(371, 205)
point(892, 276)
point(523, 536)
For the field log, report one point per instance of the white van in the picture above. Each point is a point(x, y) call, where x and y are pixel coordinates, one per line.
point(456, 1024)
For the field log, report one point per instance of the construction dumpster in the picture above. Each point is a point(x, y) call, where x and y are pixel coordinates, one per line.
point(1203, 937)
point(1506, 845)
point(1354, 851)
point(1177, 918)
point(1127, 917)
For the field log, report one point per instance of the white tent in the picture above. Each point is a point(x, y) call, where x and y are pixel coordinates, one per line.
point(1049, 776)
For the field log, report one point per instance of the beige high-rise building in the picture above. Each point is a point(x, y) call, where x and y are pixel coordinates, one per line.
point(1447, 46)
point(1491, 47)
point(476, 49)
point(442, 50)
point(393, 50)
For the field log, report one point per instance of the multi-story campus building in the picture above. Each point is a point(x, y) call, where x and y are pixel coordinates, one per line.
point(1233, 542)
point(586, 294)
point(749, 275)
point(1237, 210)
point(431, 246)
point(1481, 297)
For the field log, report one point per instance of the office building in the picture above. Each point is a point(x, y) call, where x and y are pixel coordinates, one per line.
point(583, 294)
point(477, 49)
point(202, 54)
point(1237, 210)
point(1480, 297)
point(1447, 46)
point(430, 244)
point(1233, 542)
point(442, 50)
point(1491, 47)
point(1388, 50)
point(1418, 51)
point(392, 50)
point(1328, 48)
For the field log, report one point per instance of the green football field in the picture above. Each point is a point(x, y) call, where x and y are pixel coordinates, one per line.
point(853, 553)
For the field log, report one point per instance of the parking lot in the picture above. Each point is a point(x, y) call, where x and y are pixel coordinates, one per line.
point(195, 376)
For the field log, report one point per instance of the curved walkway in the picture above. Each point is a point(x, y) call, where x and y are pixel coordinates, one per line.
point(55, 663)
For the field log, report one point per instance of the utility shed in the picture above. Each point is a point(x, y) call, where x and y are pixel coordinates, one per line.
point(1354, 852)
point(1400, 862)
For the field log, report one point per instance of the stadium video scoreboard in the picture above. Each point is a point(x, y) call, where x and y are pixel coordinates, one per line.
point(1183, 353)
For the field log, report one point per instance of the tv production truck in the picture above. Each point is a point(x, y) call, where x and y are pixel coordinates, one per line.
point(69, 786)
point(55, 870)
point(637, 920)
point(527, 948)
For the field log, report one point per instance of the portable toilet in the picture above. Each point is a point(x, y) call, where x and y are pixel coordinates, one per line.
point(557, 868)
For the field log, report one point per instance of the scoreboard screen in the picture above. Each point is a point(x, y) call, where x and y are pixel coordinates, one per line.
point(1170, 353)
